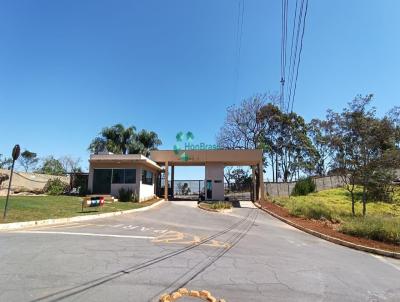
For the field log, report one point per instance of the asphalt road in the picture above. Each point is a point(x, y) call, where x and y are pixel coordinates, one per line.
point(245, 255)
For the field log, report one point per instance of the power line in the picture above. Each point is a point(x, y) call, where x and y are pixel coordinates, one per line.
point(284, 16)
point(297, 37)
point(238, 38)
point(296, 29)
point(291, 63)
point(299, 60)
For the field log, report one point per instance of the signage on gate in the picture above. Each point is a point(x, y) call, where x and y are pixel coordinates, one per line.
point(184, 142)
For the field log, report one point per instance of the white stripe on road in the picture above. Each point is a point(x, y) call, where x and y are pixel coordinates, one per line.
point(384, 260)
point(87, 234)
point(59, 226)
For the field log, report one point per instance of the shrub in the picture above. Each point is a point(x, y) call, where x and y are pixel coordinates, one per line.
point(220, 205)
point(55, 186)
point(385, 229)
point(304, 186)
point(125, 195)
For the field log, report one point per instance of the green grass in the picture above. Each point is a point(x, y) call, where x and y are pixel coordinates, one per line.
point(377, 228)
point(381, 223)
point(27, 208)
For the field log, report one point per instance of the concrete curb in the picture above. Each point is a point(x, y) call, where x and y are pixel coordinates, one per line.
point(26, 224)
point(214, 210)
point(333, 239)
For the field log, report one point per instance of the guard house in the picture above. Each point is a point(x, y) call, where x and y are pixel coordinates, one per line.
point(110, 172)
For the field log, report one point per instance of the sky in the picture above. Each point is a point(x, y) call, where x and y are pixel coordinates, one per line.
point(70, 68)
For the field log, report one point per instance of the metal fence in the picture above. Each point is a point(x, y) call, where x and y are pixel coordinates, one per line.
point(194, 190)
point(237, 192)
point(183, 189)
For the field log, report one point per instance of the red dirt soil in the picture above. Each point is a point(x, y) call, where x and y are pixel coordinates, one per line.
point(327, 228)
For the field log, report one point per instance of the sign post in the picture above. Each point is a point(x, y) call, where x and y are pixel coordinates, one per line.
point(15, 154)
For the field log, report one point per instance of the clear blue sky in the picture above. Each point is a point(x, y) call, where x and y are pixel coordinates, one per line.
point(69, 68)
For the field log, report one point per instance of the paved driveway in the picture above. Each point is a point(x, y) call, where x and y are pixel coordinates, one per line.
point(245, 255)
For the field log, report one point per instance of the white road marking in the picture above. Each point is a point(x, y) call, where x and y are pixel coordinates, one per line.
point(87, 234)
point(383, 259)
point(44, 227)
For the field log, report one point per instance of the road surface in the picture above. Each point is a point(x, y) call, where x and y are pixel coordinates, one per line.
point(245, 255)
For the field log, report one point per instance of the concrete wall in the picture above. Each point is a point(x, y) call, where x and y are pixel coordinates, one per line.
point(285, 188)
point(27, 182)
point(215, 172)
point(147, 192)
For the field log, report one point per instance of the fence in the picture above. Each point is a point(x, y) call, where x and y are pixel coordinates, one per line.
point(27, 182)
point(285, 188)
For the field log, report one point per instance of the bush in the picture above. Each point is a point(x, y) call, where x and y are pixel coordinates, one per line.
point(312, 210)
point(55, 186)
point(304, 186)
point(220, 205)
point(125, 195)
point(385, 229)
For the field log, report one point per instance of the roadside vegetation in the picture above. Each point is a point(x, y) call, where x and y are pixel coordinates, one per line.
point(217, 205)
point(356, 144)
point(382, 222)
point(27, 208)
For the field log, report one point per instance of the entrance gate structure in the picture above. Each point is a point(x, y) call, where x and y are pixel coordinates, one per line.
point(214, 162)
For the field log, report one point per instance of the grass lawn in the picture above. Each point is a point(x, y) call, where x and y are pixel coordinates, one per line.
point(381, 223)
point(27, 208)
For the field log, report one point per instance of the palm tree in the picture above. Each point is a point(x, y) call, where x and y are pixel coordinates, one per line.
point(116, 139)
point(145, 142)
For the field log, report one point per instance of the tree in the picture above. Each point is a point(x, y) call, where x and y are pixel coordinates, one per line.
point(286, 143)
point(361, 142)
point(228, 174)
point(145, 141)
point(270, 115)
point(5, 162)
point(319, 132)
point(52, 166)
point(28, 160)
point(116, 139)
point(241, 179)
point(258, 123)
point(70, 164)
point(242, 128)
point(294, 146)
point(394, 117)
point(120, 140)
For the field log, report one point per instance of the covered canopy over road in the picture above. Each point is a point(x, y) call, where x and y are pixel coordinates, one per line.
point(214, 162)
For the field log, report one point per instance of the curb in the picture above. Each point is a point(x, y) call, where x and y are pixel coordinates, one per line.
point(345, 243)
point(213, 210)
point(26, 224)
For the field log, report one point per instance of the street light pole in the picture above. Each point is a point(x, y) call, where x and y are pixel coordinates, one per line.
point(15, 154)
